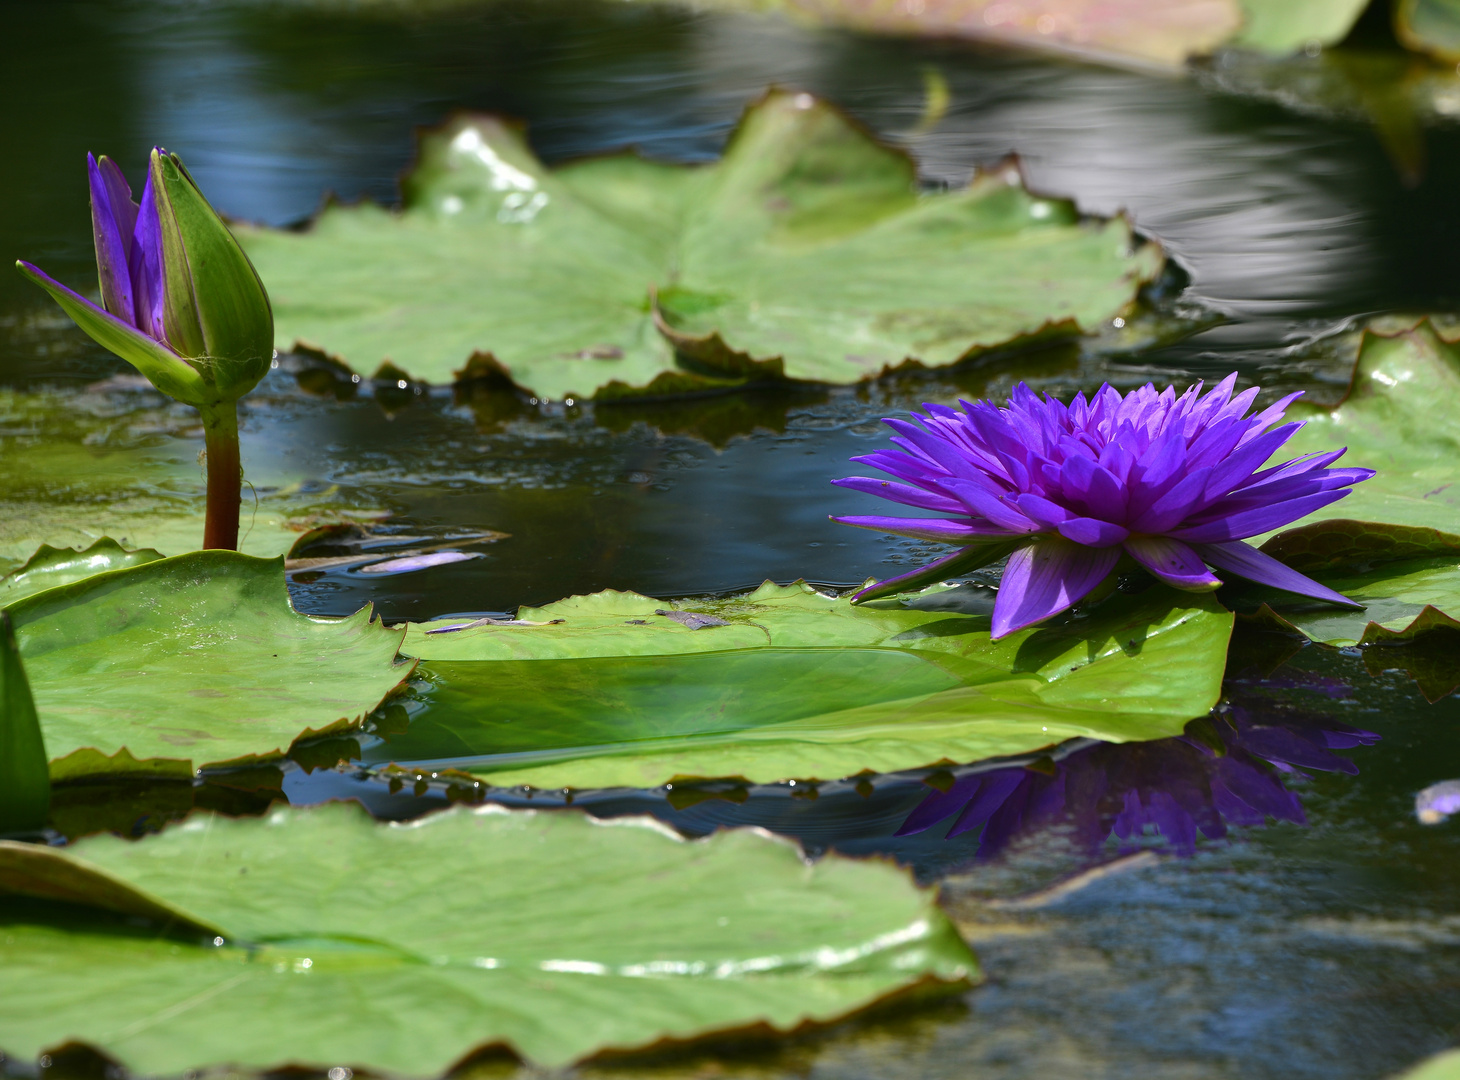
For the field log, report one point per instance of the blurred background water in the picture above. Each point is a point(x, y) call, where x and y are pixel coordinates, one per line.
point(1326, 950)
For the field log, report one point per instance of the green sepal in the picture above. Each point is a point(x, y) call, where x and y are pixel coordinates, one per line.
point(970, 559)
point(231, 308)
point(163, 368)
point(179, 302)
point(25, 779)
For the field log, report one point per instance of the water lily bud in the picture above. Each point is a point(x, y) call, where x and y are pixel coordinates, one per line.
point(183, 304)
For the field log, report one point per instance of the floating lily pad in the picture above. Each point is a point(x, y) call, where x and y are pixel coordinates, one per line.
point(403, 948)
point(193, 661)
point(614, 689)
point(80, 466)
point(50, 567)
point(1401, 417)
point(805, 253)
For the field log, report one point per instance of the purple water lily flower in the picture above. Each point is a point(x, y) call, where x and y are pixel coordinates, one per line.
point(1175, 483)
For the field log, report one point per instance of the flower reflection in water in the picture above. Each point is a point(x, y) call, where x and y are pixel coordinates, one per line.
point(1226, 771)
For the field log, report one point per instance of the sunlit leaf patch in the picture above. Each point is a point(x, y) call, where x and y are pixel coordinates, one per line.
point(321, 938)
point(612, 689)
point(192, 661)
point(806, 253)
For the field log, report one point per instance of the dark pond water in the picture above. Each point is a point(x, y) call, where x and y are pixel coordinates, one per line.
point(1324, 944)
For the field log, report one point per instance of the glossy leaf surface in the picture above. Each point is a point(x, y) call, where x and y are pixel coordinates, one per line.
point(788, 683)
point(806, 252)
point(50, 567)
point(402, 948)
point(123, 463)
point(1399, 418)
point(197, 658)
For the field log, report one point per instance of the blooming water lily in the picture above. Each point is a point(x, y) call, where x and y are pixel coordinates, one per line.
point(182, 304)
point(1174, 483)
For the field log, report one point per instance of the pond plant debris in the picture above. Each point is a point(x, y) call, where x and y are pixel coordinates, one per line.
point(1174, 483)
point(183, 305)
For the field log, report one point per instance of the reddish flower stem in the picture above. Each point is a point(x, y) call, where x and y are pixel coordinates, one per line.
point(225, 475)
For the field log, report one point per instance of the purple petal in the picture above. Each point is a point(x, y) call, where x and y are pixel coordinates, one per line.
point(982, 503)
point(1173, 562)
point(1046, 577)
point(144, 264)
point(939, 530)
point(1086, 483)
point(905, 494)
point(1174, 506)
point(113, 216)
point(1041, 511)
point(1246, 561)
point(1092, 532)
point(1238, 468)
point(959, 562)
point(1262, 519)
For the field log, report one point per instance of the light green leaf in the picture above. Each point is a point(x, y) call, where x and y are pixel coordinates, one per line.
point(50, 567)
point(1443, 1066)
point(197, 658)
point(403, 948)
point(618, 689)
point(806, 252)
point(1401, 417)
point(1285, 26)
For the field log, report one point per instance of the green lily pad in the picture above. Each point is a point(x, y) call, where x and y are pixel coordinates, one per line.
point(1400, 417)
point(50, 567)
point(1394, 544)
point(404, 948)
point(619, 689)
point(1285, 26)
point(80, 466)
point(193, 661)
point(805, 253)
point(1443, 1066)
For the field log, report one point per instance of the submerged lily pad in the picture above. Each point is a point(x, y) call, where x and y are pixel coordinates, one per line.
point(805, 253)
point(193, 661)
point(614, 689)
point(80, 466)
point(404, 948)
